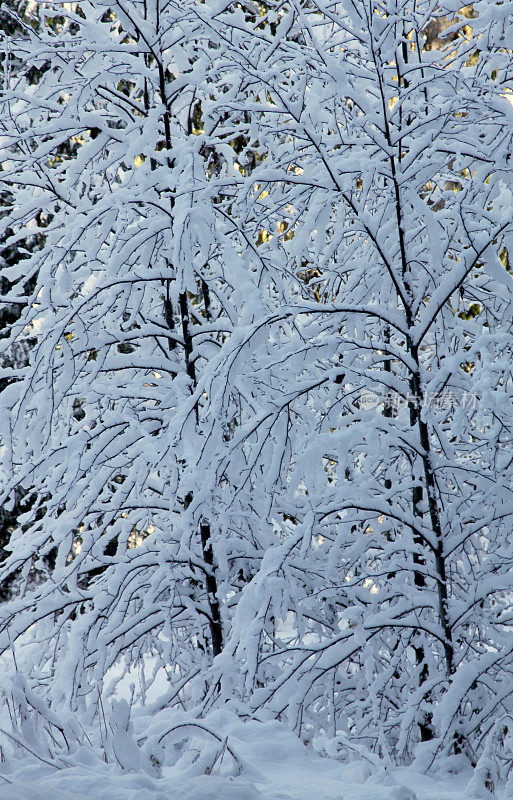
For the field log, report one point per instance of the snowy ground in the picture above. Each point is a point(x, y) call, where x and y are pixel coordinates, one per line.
point(226, 759)
point(275, 766)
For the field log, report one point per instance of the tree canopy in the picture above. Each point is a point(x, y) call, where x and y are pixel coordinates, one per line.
point(266, 417)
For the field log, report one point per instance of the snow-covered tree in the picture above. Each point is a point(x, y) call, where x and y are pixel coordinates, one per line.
point(386, 189)
point(13, 357)
point(134, 297)
point(268, 414)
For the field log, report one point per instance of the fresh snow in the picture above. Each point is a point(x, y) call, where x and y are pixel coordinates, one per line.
point(256, 411)
point(276, 766)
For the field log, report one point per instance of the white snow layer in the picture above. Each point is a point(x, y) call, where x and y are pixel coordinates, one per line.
point(276, 765)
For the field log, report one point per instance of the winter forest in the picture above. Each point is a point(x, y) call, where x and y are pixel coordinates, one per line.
point(256, 400)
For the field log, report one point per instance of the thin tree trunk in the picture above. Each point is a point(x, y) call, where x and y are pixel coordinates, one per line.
point(215, 622)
